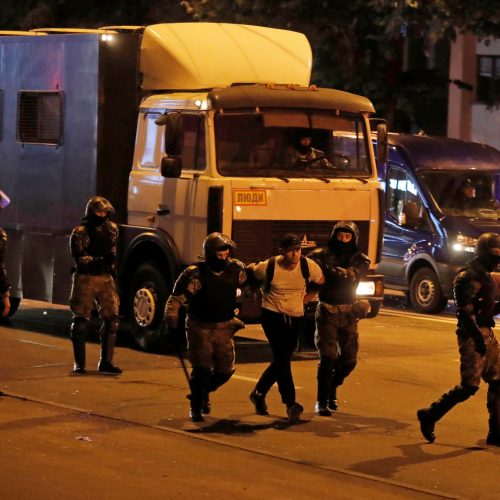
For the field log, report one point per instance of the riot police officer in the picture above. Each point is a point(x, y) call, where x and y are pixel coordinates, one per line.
point(210, 288)
point(474, 293)
point(338, 312)
point(93, 246)
point(4, 282)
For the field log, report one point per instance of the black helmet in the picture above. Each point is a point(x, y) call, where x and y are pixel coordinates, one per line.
point(346, 226)
point(4, 200)
point(486, 242)
point(216, 242)
point(98, 204)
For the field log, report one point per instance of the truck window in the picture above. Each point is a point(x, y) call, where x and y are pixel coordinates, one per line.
point(193, 150)
point(291, 143)
point(152, 142)
point(40, 117)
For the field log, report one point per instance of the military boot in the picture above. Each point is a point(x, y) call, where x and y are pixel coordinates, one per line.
point(199, 389)
point(429, 416)
point(493, 405)
point(78, 333)
point(324, 377)
point(108, 339)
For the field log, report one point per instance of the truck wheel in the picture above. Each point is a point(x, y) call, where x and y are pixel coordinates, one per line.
point(425, 293)
point(374, 308)
point(148, 292)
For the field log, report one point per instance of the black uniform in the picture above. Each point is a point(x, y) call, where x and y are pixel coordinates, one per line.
point(93, 246)
point(209, 288)
point(338, 313)
point(474, 291)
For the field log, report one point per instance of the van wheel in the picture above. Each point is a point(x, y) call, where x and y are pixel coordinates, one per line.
point(146, 296)
point(425, 293)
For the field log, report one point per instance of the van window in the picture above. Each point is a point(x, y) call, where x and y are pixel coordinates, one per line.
point(404, 202)
point(468, 193)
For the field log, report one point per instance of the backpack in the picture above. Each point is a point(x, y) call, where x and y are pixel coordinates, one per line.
point(271, 264)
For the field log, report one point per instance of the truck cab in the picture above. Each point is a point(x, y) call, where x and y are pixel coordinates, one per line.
point(440, 195)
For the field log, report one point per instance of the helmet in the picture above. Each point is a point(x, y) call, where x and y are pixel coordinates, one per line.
point(216, 242)
point(487, 242)
point(4, 200)
point(98, 204)
point(348, 227)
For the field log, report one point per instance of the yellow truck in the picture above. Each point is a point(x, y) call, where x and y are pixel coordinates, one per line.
point(187, 128)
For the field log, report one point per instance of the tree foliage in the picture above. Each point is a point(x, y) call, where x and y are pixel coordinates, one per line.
point(393, 51)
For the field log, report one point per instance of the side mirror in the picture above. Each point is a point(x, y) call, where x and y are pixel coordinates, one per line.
point(382, 142)
point(171, 166)
point(174, 135)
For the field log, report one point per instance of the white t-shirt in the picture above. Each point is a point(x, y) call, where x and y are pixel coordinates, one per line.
point(287, 288)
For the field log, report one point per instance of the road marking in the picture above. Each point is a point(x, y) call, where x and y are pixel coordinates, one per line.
point(49, 364)
point(417, 316)
point(255, 380)
point(24, 341)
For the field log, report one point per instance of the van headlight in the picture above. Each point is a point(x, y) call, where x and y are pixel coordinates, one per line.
point(464, 244)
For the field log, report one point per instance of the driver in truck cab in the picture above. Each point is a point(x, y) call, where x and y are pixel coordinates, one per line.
point(303, 155)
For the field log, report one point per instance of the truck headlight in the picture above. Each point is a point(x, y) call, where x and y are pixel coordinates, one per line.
point(366, 289)
point(464, 243)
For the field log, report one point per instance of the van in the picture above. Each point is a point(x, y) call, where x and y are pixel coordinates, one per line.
point(440, 195)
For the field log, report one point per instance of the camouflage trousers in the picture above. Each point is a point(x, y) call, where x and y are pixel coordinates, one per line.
point(89, 291)
point(211, 345)
point(474, 367)
point(337, 338)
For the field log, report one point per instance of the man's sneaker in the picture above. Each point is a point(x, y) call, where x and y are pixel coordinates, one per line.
point(426, 425)
point(333, 404)
point(109, 368)
point(79, 370)
point(322, 410)
point(195, 415)
point(294, 411)
point(259, 401)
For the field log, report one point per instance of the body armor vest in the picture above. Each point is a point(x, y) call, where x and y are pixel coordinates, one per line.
point(216, 300)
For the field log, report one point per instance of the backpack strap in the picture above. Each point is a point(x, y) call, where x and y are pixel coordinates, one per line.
point(304, 268)
point(271, 264)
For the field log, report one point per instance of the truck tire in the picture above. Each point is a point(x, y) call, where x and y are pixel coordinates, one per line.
point(147, 294)
point(425, 294)
point(374, 308)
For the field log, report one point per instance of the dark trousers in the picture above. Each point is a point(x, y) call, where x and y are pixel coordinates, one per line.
point(282, 332)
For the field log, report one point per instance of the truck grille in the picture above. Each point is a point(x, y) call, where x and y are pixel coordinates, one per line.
point(259, 239)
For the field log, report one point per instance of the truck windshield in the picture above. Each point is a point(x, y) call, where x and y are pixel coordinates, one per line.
point(291, 143)
point(469, 194)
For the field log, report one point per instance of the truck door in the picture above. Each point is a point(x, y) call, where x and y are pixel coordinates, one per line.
point(182, 210)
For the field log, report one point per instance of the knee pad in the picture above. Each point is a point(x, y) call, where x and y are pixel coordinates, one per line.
point(110, 324)
point(78, 327)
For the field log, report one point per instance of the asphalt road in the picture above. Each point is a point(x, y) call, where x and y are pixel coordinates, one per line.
point(128, 436)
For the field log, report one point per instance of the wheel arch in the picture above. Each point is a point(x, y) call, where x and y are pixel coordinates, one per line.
point(147, 246)
point(417, 263)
